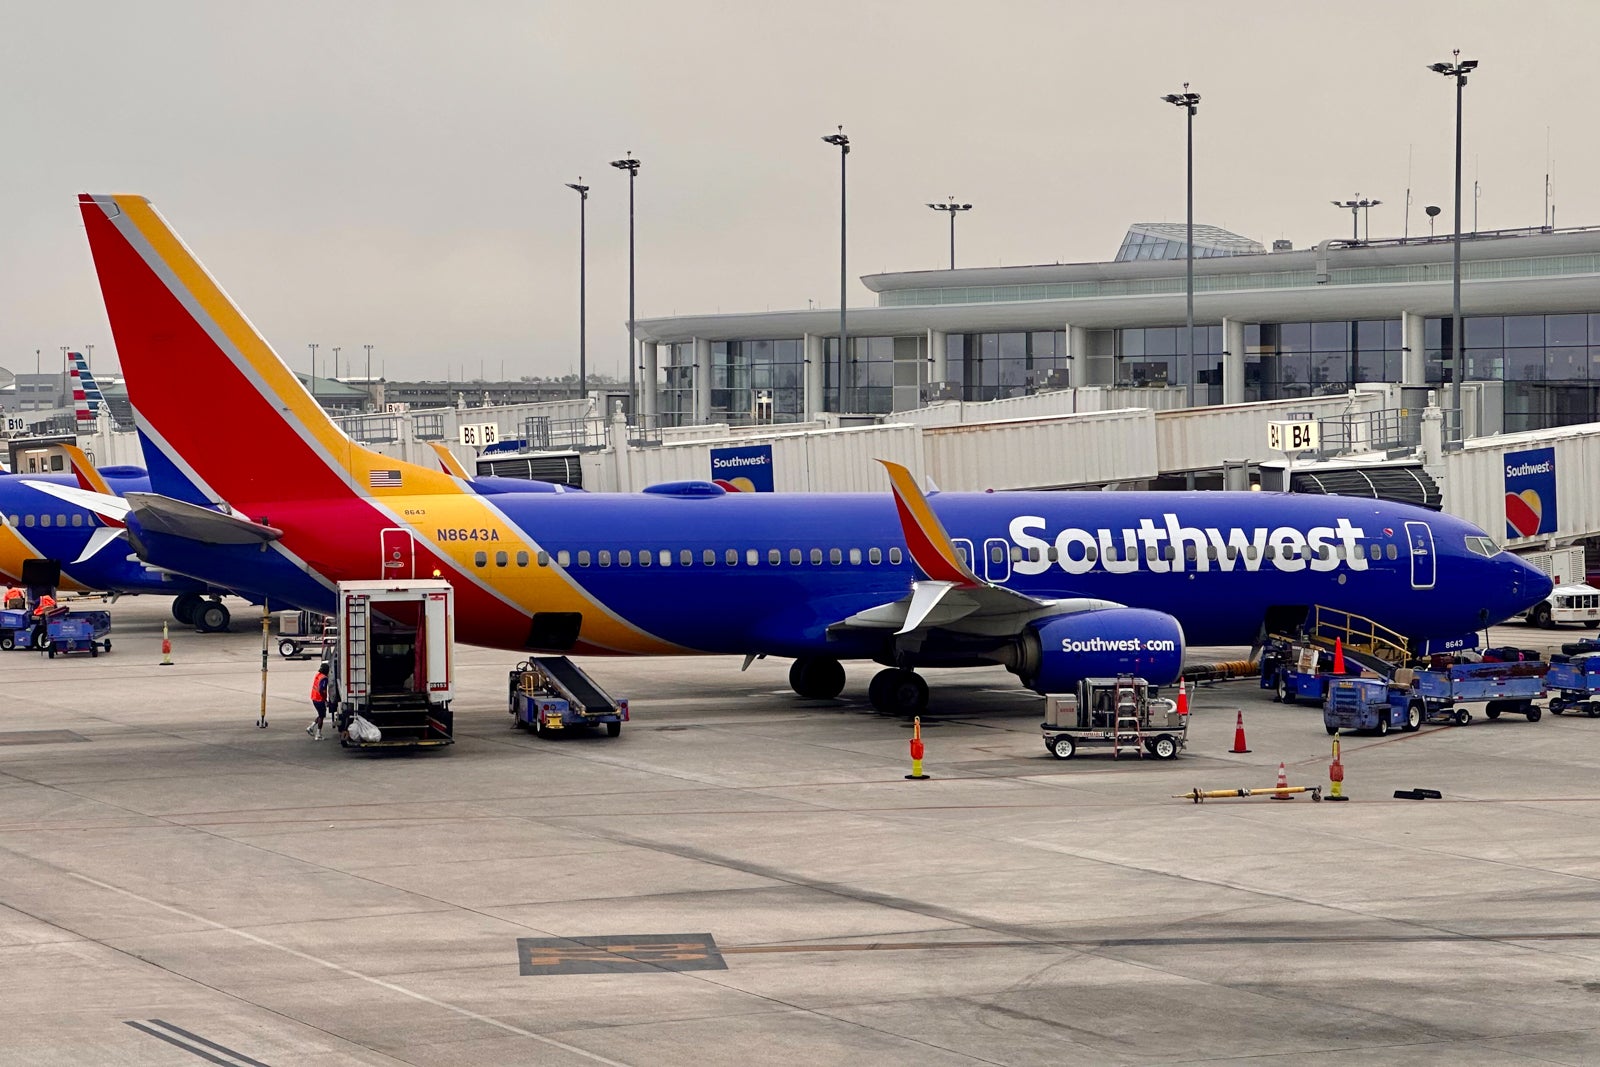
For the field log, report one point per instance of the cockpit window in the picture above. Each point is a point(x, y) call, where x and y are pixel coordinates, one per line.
point(1483, 546)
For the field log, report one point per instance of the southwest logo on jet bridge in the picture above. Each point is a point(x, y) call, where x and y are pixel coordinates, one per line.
point(1081, 551)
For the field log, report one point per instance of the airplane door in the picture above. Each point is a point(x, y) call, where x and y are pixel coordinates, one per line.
point(399, 553)
point(997, 559)
point(1420, 536)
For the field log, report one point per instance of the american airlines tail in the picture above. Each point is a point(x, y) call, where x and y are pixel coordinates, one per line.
point(190, 357)
point(91, 388)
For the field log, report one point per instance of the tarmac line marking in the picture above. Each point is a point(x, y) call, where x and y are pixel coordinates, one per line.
point(224, 1049)
point(348, 972)
point(202, 1053)
point(1164, 942)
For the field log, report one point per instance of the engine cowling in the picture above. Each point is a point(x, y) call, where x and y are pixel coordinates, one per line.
point(1055, 654)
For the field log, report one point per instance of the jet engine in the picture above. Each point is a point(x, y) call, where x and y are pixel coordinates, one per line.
point(1053, 654)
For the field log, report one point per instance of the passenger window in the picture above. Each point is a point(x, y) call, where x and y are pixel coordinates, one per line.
point(644, 557)
point(1271, 552)
point(731, 557)
point(583, 558)
point(481, 559)
point(1325, 552)
point(751, 557)
point(1016, 553)
point(15, 519)
point(77, 520)
point(1233, 551)
point(563, 558)
point(604, 557)
point(1052, 554)
point(1250, 552)
point(666, 557)
point(997, 554)
point(624, 557)
point(855, 557)
point(1375, 551)
point(44, 520)
point(501, 559)
point(1151, 553)
point(1211, 552)
point(795, 557)
point(27, 520)
point(544, 558)
point(709, 557)
point(894, 555)
point(1190, 553)
point(816, 557)
point(835, 557)
point(774, 556)
point(61, 520)
point(875, 556)
point(1393, 553)
point(685, 558)
point(522, 559)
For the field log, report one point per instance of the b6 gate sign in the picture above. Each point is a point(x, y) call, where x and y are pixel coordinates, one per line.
point(1292, 436)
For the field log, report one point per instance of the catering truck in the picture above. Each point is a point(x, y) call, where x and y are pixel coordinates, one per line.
point(391, 677)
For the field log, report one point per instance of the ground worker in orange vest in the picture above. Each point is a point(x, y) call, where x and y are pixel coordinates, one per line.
point(41, 619)
point(15, 599)
point(319, 700)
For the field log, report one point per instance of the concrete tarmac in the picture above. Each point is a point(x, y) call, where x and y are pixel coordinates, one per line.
point(179, 886)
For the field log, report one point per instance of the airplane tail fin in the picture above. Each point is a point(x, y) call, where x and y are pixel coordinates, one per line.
point(197, 369)
point(930, 546)
point(91, 388)
point(80, 402)
point(448, 461)
point(89, 476)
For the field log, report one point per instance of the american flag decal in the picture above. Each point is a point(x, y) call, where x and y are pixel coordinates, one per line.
point(384, 479)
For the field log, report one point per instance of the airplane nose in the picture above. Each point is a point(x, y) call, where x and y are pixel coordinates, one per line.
point(1529, 585)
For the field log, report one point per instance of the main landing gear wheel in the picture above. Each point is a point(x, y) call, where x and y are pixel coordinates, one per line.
point(184, 606)
point(898, 692)
point(211, 617)
point(816, 677)
point(1061, 747)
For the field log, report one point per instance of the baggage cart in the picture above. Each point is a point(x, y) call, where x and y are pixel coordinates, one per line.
point(1123, 714)
point(78, 631)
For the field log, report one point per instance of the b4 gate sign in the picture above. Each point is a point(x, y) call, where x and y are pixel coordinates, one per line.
point(1531, 492)
point(747, 469)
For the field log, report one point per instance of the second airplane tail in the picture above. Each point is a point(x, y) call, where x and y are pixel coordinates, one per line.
point(197, 370)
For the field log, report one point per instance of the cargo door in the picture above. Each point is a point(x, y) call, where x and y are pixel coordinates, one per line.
point(436, 635)
point(1420, 537)
point(399, 554)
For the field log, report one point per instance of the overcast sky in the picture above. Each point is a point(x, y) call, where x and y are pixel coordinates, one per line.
point(392, 173)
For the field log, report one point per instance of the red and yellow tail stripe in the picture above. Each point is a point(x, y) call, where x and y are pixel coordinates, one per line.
point(930, 546)
point(185, 349)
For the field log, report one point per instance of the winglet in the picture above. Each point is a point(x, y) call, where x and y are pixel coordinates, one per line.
point(89, 478)
point(448, 460)
point(931, 548)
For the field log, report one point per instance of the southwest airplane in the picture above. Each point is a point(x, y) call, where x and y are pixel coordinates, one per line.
point(1056, 586)
point(90, 552)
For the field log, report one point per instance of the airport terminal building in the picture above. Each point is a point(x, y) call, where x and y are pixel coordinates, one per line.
point(1269, 325)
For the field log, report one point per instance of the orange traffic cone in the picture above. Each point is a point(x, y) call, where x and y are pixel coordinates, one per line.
point(1338, 656)
point(1183, 699)
point(166, 647)
point(1238, 736)
point(1283, 783)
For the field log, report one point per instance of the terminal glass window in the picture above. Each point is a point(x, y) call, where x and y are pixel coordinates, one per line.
point(1286, 360)
point(677, 391)
point(989, 366)
point(1158, 356)
point(1550, 364)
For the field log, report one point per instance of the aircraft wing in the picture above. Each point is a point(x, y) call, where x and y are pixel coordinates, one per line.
point(951, 598)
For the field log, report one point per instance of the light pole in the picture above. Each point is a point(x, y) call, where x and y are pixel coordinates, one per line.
point(313, 381)
point(953, 209)
point(1357, 206)
point(372, 391)
point(336, 362)
point(1190, 102)
point(630, 165)
point(583, 285)
point(844, 151)
point(1458, 70)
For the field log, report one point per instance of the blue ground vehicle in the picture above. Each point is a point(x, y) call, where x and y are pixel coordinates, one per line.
point(1574, 685)
point(1413, 697)
point(17, 631)
point(550, 693)
point(1296, 672)
point(79, 631)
